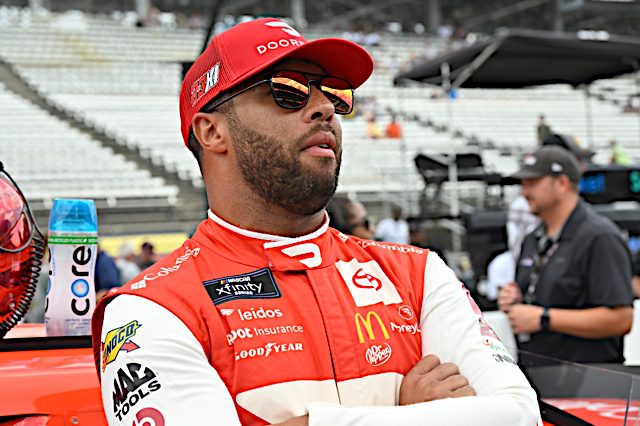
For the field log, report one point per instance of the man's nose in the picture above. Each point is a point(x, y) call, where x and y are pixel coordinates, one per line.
point(319, 107)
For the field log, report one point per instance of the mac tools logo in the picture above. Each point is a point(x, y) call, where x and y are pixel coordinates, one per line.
point(368, 283)
point(282, 42)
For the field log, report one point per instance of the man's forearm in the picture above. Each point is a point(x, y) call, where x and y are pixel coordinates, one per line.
point(592, 323)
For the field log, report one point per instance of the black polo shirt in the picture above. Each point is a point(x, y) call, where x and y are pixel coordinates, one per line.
point(589, 266)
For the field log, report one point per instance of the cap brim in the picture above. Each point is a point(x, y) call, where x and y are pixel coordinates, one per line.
point(338, 57)
point(526, 174)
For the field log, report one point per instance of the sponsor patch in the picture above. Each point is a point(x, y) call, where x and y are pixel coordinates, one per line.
point(368, 283)
point(268, 350)
point(405, 328)
point(254, 285)
point(164, 271)
point(377, 355)
point(119, 339)
point(206, 82)
point(405, 312)
point(132, 384)
point(367, 324)
point(148, 416)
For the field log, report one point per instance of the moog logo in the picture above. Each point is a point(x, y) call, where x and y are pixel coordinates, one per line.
point(367, 283)
point(363, 280)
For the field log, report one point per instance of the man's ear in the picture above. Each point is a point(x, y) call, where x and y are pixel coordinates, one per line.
point(212, 131)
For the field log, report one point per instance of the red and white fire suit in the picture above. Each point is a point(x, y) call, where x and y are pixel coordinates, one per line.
point(238, 327)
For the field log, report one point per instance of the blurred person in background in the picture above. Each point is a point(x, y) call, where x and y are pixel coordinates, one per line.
point(636, 276)
point(373, 129)
point(267, 315)
point(147, 256)
point(107, 274)
point(349, 217)
point(393, 129)
point(543, 131)
point(501, 270)
point(126, 262)
point(618, 155)
point(572, 295)
point(393, 229)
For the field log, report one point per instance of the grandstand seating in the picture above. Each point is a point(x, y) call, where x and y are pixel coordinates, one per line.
point(51, 159)
point(125, 81)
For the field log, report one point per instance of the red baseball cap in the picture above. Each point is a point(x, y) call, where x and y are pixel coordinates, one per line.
point(248, 48)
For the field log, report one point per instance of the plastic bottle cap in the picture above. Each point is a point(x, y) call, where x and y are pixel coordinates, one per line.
point(73, 216)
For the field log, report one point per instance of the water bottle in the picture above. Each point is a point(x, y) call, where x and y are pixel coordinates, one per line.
point(73, 248)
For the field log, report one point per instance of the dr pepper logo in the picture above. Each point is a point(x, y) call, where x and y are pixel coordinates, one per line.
point(119, 339)
point(378, 354)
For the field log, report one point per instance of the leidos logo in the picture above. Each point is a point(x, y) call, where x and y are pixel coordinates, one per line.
point(119, 339)
point(368, 326)
point(283, 42)
point(367, 283)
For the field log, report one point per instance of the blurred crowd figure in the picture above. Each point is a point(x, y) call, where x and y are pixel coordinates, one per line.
point(373, 129)
point(394, 229)
point(349, 217)
point(126, 262)
point(618, 155)
point(393, 129)
point(112, 272)
point(543, 130)
point(502, 268)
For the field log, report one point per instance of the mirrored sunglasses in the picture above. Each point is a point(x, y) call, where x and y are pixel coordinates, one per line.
point(292, 90)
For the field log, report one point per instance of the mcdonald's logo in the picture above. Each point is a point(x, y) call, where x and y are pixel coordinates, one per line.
point(368, 326)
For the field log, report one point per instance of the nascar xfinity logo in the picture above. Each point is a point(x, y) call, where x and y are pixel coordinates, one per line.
point(119, 339)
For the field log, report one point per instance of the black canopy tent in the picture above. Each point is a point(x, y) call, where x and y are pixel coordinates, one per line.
point(515, 59)
point(521, 58)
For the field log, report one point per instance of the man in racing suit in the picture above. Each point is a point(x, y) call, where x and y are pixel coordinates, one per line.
point(269, 316)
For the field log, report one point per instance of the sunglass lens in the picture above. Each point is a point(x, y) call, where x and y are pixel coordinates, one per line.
point(290, 90)
point(339, 93)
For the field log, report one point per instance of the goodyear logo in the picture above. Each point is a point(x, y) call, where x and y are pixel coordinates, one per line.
point(119, 339)
point(368, 326)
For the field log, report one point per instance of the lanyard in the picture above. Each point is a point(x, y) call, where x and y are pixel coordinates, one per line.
point(546, 248)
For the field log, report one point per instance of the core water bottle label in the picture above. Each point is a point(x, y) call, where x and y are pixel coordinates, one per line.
point(71, 293)
point(73, 249)
point(64, 239)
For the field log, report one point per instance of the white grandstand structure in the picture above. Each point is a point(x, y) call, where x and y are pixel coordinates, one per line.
point(122, 82)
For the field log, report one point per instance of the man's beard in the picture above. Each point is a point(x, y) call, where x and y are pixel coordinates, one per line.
point(273, 169)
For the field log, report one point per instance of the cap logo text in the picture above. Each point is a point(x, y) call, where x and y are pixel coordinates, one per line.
point(206, 82)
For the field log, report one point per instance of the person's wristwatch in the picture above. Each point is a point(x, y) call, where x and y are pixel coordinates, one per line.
point(544, 319)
